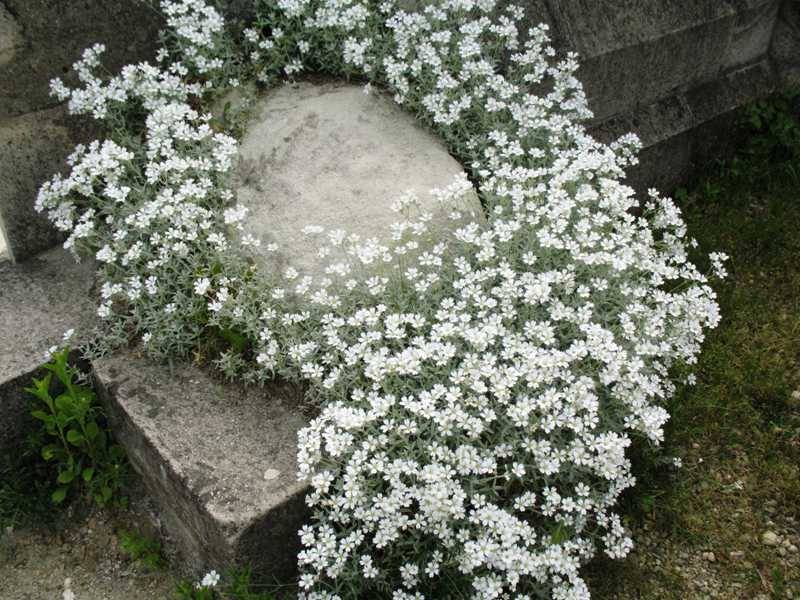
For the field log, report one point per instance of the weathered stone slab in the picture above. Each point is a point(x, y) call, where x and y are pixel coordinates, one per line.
point(751, 33)
point(219, 461)
point(39, 300)
point(32, 148)
point(333, 156)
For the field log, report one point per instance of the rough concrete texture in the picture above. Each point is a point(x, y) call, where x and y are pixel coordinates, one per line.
point(637, 51)
point(687, 127)
point(39, 300)
point(10, 36)
point(32, 148)
point(785, 50)
point(219, 460)
point(331, 155)
point(55, 35)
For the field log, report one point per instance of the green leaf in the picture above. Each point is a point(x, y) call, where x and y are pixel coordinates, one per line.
point(49, 451)
point(91, 430)
point(41, 389)
point(64, 403)
point(59, 495)
point(88, 473)
point(41, 415)
point(66, 476)
point(75, 438)
point(237, 341)
point(116, 453)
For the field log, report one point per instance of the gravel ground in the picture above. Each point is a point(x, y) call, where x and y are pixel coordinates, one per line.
point(82, 553)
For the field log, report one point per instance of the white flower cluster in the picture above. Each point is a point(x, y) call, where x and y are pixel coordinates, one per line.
point(210, 580)
point(147, 209)
point(479, 381)
point(482, 430)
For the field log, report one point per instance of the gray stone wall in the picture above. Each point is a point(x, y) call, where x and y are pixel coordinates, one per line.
point(673, 72)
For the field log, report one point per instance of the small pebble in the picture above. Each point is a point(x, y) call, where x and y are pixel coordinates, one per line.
point(737, 555)
point(271, 474)
point(709, 556)
point(770, 538)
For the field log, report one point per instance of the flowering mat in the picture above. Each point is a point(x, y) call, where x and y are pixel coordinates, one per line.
point(478, 381)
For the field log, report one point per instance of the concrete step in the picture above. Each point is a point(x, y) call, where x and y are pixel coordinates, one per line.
point(219, 461)
point(40, 299)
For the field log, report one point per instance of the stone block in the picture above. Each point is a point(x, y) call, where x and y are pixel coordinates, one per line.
point(32, 148)
point(40, 299)
point(219, 461)
point(333, 156)
point(751, 33)
point(635, 52)
point(55, 35)
point(688, 127)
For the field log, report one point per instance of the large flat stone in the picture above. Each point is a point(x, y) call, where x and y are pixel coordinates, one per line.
point(333, 156)
point(39, 300)
point(219, 461)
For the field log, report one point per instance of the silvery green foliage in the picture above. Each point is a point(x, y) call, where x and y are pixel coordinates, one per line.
point(478, 383)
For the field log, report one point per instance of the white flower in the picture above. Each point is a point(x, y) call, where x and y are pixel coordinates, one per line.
point(210, 580)
point(201, 286)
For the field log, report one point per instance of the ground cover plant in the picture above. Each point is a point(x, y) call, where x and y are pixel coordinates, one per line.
point(478, 385)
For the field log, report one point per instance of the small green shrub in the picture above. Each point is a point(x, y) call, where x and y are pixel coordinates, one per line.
point(76, 441)
point(775, 125)
point(142, 549)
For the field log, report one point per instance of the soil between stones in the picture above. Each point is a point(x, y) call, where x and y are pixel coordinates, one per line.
point(35, 562)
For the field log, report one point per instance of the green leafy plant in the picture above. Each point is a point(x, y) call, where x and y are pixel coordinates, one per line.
point(77, 440)
point(142, 549)
point(774, 132)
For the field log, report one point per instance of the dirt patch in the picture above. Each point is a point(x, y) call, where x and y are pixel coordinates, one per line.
point(82, 552)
